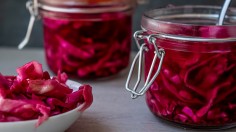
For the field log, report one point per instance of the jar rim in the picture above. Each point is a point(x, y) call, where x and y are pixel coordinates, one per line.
point(191, 36)
point(158, 20)
point(190, 20)
point(85, 2)
point(161, 15)
point(85, 9)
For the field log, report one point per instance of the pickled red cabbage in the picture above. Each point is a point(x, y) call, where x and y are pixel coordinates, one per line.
point(32, 94)
point(95, 45)
point(195, 87)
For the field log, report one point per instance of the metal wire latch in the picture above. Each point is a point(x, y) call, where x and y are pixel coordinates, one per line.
point(32, 6)
point(158, 53)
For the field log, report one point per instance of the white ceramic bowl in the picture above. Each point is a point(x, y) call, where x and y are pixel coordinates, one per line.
point(57, 123)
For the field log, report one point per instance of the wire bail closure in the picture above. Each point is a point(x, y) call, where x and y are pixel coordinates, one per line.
point(158, 53)
point(32, 6)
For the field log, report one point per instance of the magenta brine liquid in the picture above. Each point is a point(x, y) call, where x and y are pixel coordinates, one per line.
point(196, 85)
point(91, 46)
point(195, 88)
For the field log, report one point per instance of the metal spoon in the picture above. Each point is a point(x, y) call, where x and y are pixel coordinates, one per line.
point(223, 12)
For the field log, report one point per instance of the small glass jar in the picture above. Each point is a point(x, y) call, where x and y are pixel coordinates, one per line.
point(86, 38)
point(193, 82)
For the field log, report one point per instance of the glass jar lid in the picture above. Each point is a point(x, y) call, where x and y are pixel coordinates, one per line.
point(86, 6)
point(85, 2)
point(177, 20)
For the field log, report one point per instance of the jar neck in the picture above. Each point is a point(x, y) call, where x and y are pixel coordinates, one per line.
point(86, 6)
point(85, 9)
point(85, 2)
point(193, 21)
point(191, 28)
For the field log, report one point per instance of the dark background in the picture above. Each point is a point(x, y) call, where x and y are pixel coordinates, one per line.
point(14, 19)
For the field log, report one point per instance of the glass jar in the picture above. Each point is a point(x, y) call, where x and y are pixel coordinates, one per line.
point(190, 66)
point(86, 38)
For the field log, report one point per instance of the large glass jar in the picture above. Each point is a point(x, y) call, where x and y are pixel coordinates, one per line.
point(87, 38)
point(193, 81)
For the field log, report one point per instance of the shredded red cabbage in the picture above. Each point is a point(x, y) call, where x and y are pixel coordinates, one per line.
point(195, 87)
point(32, 94)
point(88, 46)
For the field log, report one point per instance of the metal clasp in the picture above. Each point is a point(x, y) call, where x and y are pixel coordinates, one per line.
point(32, 6)
point(158, 53)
